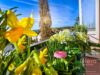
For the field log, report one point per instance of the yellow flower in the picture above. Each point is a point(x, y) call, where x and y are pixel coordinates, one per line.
point(36, 71)
point(11, 67)
point(18, 28)
point(20, 68)
point(21, 47)
point(14, 34)
point(43, 55)
point(20, 43)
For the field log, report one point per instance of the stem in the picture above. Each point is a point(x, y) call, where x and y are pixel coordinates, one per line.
point(28, 47)
point(17, 52)
point(8, 63)
point(1, 61)
point(16, 47)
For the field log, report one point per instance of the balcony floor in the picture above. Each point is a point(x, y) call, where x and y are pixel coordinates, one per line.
point(92, 66)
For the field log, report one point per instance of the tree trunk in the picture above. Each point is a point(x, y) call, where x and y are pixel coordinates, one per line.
point(45, 20)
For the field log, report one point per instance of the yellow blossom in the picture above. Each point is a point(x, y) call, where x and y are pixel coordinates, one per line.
point(36, 71)
point(18, 28)
point(11, 67)
point(14, 34)
point(43, 55)
point(21, 48)
point(20, 68)
point(20, 43)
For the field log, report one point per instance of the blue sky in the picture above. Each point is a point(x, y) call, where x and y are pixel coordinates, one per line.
point(63, 12)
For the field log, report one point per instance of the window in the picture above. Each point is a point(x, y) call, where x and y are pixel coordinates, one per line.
point(88, 13)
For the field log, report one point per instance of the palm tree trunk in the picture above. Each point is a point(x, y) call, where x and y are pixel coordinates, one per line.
point(45, 20)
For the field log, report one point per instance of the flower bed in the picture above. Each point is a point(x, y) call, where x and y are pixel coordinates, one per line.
point(60, 55)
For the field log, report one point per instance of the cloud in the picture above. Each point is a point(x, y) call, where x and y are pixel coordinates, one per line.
point(28, 3)
point(35, 0)
point(4, 7)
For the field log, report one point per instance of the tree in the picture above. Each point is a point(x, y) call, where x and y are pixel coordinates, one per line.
point(45, 19)
point(77, 21)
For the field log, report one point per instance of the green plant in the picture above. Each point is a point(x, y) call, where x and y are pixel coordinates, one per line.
point(74, 43)
point(80, 28)
point(3, 41)
point(11, 32)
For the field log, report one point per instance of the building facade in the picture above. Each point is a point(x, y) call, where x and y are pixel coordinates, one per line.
point(89, 15)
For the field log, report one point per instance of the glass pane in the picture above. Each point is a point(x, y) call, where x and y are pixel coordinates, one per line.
point(88, 11)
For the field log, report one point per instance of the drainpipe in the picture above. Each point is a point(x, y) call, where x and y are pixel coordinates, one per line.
point(80, 12)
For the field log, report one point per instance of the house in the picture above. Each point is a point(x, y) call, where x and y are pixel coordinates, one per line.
point(94, 34)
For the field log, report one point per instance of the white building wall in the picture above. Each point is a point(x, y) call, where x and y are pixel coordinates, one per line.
point(97, 20)
point(95, 34)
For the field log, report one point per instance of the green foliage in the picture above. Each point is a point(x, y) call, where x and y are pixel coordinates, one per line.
point(3, 24)
point(2, 40)
point(74, 43)
point(5, 59)
point(49, 70)
point(78, 67)
point(80, 28)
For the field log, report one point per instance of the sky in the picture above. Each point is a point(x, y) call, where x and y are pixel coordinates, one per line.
point(63, 12)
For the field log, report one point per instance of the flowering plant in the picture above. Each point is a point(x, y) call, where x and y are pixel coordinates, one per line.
point(15, 32)
point(62, 36)
point(60, 57)
point(60, 54)
point(71, 44)
point(22, 61)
